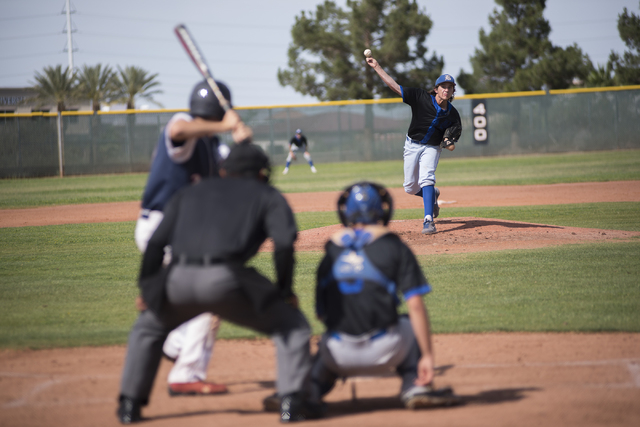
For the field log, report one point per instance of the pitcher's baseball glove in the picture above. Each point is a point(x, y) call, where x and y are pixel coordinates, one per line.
point(451, 135)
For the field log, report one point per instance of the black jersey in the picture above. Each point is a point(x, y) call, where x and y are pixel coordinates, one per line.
point(225, 220)
point(428, 119)
point(300, 143)
point(360, 277)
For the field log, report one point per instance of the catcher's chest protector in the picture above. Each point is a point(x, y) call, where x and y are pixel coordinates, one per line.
point(353, 268)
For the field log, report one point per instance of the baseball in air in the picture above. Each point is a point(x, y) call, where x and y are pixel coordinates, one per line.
point(367, 53)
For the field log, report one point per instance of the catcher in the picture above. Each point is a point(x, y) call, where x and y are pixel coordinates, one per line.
point(435, 124)
point(364, 267)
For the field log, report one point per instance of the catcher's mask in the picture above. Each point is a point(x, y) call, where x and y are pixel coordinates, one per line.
point(247, 160)
point(204, 103)
point(365, 203)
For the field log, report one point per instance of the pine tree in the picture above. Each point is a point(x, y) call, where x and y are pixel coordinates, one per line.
point(627, 67)
point(326, 55)
point(517, 55)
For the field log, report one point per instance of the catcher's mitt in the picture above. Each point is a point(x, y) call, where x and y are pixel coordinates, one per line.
point(451, 135)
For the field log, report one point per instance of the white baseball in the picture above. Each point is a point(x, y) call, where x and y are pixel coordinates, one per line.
point(367, 53)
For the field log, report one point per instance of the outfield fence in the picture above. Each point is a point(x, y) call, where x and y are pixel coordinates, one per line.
point(77, 143)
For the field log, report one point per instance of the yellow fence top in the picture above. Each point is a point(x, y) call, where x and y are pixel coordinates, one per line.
point(339, 103)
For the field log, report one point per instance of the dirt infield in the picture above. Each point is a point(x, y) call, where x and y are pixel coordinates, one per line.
point(505, 379)
point(507, 195)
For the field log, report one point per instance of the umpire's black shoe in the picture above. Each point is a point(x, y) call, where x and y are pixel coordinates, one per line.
point(293, 408)
point(129, 411)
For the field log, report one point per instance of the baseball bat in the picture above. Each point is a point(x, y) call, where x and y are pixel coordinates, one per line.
point(198, 59)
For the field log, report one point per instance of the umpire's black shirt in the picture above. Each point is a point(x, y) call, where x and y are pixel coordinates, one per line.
point(225, 220)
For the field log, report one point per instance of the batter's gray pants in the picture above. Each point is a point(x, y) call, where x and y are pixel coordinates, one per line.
point(237, 294)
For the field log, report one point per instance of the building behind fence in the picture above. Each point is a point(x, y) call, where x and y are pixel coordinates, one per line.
point(76, 143)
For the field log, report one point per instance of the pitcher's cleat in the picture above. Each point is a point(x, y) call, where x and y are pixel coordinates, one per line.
point(428, 227)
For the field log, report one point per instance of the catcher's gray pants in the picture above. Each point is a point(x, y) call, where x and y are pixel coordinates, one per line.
point(239, 295)
point(342, 356)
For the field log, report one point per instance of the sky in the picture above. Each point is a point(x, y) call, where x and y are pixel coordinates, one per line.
point(245, 42)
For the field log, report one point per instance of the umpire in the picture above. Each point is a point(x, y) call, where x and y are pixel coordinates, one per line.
point(214, 228)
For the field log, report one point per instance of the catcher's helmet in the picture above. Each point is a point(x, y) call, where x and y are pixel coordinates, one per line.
point(204, 103)
point(247, 160)
point(365, 203)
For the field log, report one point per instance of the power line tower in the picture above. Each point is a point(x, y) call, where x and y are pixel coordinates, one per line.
point(67, 10)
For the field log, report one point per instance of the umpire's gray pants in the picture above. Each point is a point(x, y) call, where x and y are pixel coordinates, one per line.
point(237, 294)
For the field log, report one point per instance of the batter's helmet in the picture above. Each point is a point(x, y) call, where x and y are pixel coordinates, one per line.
point(203, 102)
point(247, 160)
point(365, 203)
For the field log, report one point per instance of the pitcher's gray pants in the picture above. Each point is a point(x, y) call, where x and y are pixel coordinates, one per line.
point(237, 294)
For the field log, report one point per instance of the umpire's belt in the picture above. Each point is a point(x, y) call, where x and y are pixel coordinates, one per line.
point(200, 260)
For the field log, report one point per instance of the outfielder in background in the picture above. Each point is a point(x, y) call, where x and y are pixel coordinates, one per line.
point(435, 124)
point(364, 268)
point(188, 151)
point(298, 142)
point(214, 229)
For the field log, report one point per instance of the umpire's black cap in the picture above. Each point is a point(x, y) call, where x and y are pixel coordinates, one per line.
point(247, 159)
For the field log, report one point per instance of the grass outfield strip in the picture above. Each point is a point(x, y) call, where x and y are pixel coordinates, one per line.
point(73, 285)
point(513, 170)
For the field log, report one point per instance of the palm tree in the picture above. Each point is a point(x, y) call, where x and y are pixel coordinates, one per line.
point(97, 84)
point(55, 85)
point(134, 82)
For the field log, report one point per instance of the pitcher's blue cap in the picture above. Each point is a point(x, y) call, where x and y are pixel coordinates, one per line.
point(445, 78)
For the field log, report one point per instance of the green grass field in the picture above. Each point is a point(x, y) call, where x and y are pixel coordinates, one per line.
point(512, 170)
point(73, 285)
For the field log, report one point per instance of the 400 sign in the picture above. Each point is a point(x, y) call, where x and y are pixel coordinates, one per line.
point(480, 128)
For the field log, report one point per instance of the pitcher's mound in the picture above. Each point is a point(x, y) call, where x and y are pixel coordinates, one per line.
point(457, 235)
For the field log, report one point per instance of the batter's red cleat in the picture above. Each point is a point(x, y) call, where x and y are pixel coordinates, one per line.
point(199, 388)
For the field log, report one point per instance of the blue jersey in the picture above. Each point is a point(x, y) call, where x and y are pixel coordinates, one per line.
point(173, 166)
point(428, 119)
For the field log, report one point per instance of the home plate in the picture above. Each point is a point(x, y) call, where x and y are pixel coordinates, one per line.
point(445, 202)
